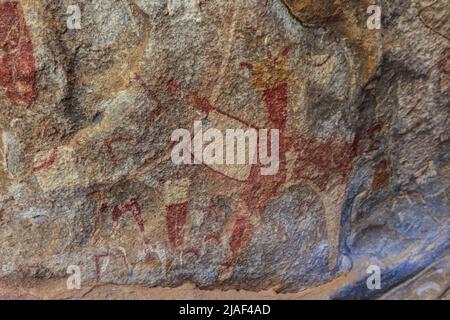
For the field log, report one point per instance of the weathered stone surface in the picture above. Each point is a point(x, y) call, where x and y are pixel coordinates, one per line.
point(86, 176)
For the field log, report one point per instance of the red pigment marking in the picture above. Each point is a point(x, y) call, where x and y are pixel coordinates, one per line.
point(173, 86)
point(285, 52)
point(444, 61)
point(259, 189)
point(212, 237)
point(152, 257)
point(17, 62)
point(97, 258)
point(241, 228)
point(49, 132)
point(201, 103)
point(317, 65)
point(176, 216)
point(247, 65)
point(133, 207)
point(419, 15)
point(103, 207)
point(201, 3)
point(47, 163)
point(150, 92)
point(191, 251)
point(217, 213)
point(318, 160)
point(195, 100)
point(275, 99)
point(98, 217)
point(325, 158)
point(109, 146)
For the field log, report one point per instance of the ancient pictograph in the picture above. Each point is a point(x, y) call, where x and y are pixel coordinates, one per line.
point(353, 119)
point(17, 62)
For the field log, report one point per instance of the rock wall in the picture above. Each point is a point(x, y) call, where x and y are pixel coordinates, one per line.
point(87, 178)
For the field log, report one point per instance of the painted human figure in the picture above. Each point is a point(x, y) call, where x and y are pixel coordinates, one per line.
point(176, 203)
point(317, 164)
point(17, 62)
point(322, 165)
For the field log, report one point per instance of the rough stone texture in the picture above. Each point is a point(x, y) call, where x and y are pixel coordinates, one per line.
point(86, 177)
